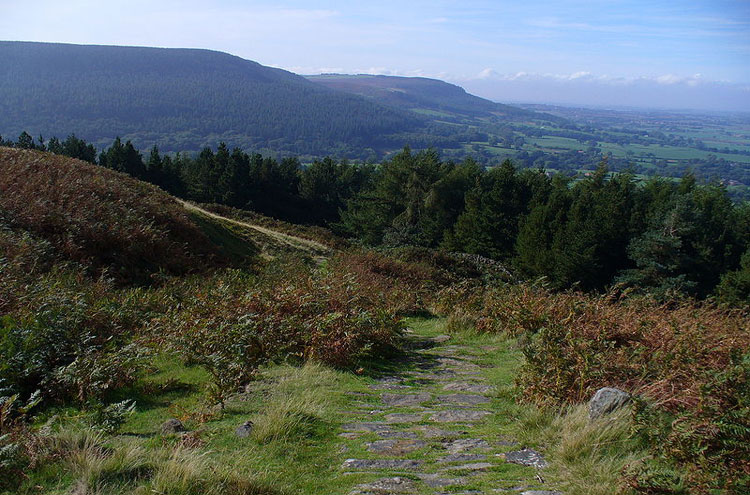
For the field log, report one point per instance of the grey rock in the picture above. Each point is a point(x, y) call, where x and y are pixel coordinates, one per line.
point(468, 372)
point(507, 443)
point(382, 486)
point(395, 447)
point(369, 427)
point(380, 464)
point(389, 386)
point(607, 400)
point(541, 492)
point(457, 363)
point(526, 457)
point(244, 430)
point(172, 426)
point(403, 418)
point(466, 444)
point(351, 435)
point(400, 400)
point(477, 466)
point(433, 432)
point(389, 383)
point(462, 458)
point(397, 434)
point(463, 399)
point(468, 387)
point(439, 339)
point(456, 416)
point(435, 480)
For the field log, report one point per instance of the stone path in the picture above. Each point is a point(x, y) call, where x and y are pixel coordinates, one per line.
point(423, 431)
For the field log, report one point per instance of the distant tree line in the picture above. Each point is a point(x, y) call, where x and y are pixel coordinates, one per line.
point(661, 236)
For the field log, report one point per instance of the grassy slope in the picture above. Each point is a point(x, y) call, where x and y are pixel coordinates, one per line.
point(102, 219)
point(180, 99)
point(297, 412)
point(110, 222)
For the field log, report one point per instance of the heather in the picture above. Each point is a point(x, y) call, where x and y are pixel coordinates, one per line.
point(123, 307)
point(685, 361)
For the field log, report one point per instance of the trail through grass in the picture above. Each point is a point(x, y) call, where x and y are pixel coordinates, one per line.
point(439, 418)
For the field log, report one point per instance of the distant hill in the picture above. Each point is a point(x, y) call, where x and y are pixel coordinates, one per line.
point(422, 95)
point(182, 99)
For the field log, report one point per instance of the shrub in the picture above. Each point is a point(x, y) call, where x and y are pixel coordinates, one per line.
point(232, 323)
point(72, 339)
point(683, 360)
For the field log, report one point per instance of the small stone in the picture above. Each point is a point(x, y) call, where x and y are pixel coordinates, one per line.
point(439, 339)
point(380, 464)
point(541, 492)
point(244, 430)
point(395, 485)
point(526, 457)
point(395, 447)
point(455, 416)
point(607, 400)
point(172, 426)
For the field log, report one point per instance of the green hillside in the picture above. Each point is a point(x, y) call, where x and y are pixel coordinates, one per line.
point(181, 99)
point(423, 95)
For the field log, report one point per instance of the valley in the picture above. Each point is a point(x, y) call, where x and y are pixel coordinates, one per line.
point(219, 277)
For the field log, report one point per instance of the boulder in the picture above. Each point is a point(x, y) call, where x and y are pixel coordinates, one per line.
point(526, 457)
point(172, 426)
point(607, 400)
point(244, 430)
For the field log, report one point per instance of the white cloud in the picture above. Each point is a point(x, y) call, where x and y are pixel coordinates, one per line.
point(488, 74)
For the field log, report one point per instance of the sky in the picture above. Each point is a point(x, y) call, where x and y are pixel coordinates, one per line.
point(655, 53)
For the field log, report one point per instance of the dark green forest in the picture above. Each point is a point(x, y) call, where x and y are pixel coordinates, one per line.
point(195, 97)
point(665, 237)
point(185, 100)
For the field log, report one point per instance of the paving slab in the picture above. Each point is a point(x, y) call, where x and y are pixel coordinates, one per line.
point(467, 444)
point(396, 447)
point(404, 418)
point(462, 458)
point(369, 427)
point(457, 416)
point(462, 399)
point(382, 464)
point(405, 400)
point(396, 485)
point(476, 388)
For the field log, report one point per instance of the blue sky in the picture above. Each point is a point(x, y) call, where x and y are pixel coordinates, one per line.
point(493, 48)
